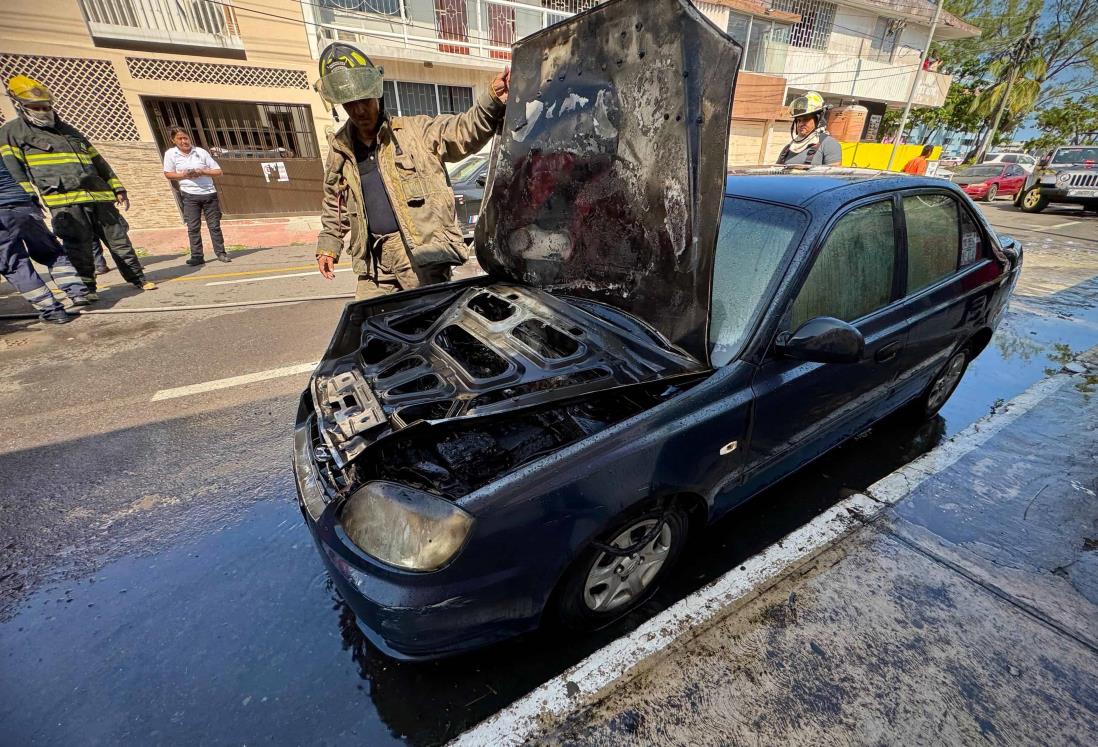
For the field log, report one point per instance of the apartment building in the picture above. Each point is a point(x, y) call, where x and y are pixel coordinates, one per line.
point(863, 52)
point(238, 74)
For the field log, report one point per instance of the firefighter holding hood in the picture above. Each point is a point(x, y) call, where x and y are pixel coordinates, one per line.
point(810, 144)
point(386, 190)
point(73, 180)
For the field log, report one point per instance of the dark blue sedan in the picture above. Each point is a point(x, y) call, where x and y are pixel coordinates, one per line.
point(654, 343)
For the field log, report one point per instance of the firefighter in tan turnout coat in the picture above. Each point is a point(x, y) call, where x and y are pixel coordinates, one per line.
point(385, 183)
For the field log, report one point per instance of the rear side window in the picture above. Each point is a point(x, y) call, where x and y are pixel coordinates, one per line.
point(852, 275)
point(1010, 159)
point(933, 239)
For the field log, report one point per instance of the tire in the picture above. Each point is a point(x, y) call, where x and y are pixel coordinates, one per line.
point(594, 592)
point(992, 192)
point(942, 386)
point(1032, 201)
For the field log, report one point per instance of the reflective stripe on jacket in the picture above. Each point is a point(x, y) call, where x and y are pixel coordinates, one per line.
point(59, 161)
point(411, 155)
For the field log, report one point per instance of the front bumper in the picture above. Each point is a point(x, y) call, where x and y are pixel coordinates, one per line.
point(1076, 195)
point(411, 616)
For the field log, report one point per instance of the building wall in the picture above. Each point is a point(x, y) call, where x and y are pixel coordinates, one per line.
point(100, 88)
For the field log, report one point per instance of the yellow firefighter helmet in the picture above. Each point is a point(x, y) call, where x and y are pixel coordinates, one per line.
point(24, 90)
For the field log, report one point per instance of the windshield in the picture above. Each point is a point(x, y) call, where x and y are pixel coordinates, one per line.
point(983, 171)
point(1067, 156)
point(459, 172)
point(754, 238)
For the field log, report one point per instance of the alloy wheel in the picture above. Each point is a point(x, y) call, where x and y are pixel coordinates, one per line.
point(947, 381)
point(1031, 198)
point(992, 192)
point(616, 580)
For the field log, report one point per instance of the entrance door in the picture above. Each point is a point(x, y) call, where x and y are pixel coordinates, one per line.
point(268, 152)
point(802, 408)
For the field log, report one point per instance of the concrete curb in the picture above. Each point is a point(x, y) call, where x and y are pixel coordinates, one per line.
point(587, 683)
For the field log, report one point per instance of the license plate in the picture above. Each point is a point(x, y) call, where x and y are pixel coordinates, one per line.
point(1083, 193)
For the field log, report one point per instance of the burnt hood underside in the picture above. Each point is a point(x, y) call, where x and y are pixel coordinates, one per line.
point(475, 351)
point(608, 176)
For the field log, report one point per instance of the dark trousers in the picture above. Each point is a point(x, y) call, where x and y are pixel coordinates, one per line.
point(196, 206)
point(78, 226)
point(24, 236)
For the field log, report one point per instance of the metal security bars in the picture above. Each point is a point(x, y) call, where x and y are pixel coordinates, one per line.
point(174, 22)
point(232, 129)
point(817, 20)
point(403, 98)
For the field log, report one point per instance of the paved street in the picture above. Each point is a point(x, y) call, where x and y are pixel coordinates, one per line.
point(157, 584)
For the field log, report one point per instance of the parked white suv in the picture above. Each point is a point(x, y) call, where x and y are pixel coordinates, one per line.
point(1027, 162)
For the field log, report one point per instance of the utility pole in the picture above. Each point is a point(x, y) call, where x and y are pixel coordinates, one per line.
point(1019, 53)
point(915, 84)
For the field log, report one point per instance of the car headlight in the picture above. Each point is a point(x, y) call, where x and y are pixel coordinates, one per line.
point(404, 527)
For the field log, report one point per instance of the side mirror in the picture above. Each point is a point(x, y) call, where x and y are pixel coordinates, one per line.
point(1010, 248)
point(823, 340)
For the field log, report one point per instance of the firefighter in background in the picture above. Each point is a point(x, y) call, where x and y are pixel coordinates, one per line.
point(810, 144)
point(72, 179)
point(23, 237)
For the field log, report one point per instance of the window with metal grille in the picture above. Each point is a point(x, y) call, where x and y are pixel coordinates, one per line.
point(381, 7)
point(416, 98)
point(454, 99)
point(237, 129)
point(817, 19)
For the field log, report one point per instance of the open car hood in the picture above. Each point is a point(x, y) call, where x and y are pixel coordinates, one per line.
point(606, 182)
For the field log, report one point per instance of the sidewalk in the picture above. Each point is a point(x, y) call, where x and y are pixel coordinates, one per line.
point(961, 608)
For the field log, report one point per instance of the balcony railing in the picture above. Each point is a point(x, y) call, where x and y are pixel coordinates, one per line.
point(851, 76)
point(187, 23)
point(483, 29)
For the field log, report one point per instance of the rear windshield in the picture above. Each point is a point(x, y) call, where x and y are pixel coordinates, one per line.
point(1067, 156)
point(984, 171)
point(753, 240)
point(465, 169)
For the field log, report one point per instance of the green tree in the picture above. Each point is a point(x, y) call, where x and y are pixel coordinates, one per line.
point(1074, 122)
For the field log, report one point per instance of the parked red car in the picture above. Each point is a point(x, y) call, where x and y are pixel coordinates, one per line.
point(988, 180)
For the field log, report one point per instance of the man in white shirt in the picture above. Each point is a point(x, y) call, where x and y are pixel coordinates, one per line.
point(194, 168)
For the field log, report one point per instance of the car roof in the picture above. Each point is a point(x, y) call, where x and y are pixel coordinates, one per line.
point(799, 187)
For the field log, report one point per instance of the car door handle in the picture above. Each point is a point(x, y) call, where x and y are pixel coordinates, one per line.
point(887, 352)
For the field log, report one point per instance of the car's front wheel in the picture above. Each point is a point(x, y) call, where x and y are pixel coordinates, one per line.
point(1033, 201)
point(992, 192)
point(623, 568)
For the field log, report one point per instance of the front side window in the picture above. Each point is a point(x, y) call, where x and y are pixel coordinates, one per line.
point(852, 275)
point(754, 238)
point(933, 233)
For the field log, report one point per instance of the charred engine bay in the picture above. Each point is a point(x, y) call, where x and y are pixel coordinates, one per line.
point(457, 457)
point(491, 352)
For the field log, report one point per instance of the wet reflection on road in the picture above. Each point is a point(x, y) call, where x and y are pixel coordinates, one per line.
point(237, 636)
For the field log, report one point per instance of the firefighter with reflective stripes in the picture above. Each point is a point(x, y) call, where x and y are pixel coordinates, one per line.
point(73, 181)
point(23, 236)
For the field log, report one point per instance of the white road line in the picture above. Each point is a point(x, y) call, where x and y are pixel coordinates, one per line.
point(1065, 225)
point(582, 684)
point(209, 386)
point(272, 277)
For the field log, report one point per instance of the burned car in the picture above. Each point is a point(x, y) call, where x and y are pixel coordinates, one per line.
point(654, 343)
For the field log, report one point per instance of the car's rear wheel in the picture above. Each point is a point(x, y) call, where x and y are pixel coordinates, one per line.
point(623, 568)
point(992, 192)
point(943, 385)
point(1033, 201)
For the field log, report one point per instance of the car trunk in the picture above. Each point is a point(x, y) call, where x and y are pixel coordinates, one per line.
point(597, 235)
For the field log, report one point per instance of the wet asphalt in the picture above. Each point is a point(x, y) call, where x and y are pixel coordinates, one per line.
point(157, 583)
